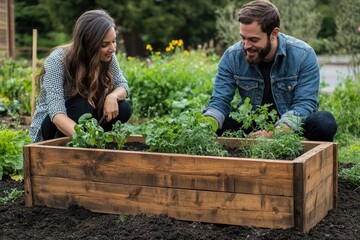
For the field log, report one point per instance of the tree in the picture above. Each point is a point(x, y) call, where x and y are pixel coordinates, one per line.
point(29, 15)
point(299, 18)
point(348, 32)
point(144, 21)
point(227, 24)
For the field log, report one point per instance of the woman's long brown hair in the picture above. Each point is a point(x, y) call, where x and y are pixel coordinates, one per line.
point(82, 66)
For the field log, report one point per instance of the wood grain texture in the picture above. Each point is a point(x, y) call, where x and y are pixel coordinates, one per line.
point(185, 204)
point(225, 190)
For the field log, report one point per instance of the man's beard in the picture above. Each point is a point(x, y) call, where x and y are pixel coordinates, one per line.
point(262, 53)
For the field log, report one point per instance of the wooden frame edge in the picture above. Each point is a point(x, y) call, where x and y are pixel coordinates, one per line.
point(299, 197)
point(27, 177)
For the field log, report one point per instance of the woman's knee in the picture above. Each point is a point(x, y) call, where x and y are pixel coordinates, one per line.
point(124, 111)
point(77, 106)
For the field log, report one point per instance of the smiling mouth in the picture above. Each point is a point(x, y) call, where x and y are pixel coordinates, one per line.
point(250, 53)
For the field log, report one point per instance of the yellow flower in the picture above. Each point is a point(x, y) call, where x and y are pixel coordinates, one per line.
point(157, 53)
point(129, 58)
point(168, 49)
point(148, 47)
point(186, 52)
point(16, 177)
point(180, 42)
point(6, 100)
point(174, 42)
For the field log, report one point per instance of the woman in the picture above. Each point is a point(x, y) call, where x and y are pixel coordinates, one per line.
point(81, 77)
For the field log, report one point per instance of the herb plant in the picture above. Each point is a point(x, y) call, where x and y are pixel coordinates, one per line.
point(254, 120)
point(189, 133)
point(89, 134)
point(283, 145)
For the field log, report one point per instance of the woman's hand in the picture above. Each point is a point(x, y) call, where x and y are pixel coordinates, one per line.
point(111, 106)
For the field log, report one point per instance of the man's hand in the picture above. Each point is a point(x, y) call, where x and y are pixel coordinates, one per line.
point(212, 121)
point(282, 127)
point(266, 134)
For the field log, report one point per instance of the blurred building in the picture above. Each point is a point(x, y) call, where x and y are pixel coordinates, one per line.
point(7, 28)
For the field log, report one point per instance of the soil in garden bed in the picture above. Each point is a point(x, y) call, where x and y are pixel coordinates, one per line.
point(38, 222)
point(141, 147)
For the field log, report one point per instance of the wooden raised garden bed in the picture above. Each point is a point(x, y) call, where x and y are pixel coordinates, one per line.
point(238, 191)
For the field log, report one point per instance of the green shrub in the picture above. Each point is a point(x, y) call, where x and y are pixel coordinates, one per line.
point(344, 104)
point(15, 85)
point(11, 154)
point(169, 83)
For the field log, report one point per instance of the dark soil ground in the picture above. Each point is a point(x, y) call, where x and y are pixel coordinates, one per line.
point(40, 222)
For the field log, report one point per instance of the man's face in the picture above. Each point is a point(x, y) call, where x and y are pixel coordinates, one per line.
point(256, 43)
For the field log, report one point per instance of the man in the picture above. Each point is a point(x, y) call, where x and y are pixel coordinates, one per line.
point(270, 68)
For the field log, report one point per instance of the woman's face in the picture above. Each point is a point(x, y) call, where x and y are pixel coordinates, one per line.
point(108, 46)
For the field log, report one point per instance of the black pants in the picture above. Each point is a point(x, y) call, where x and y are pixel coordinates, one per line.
point(78, 106)
point(319, 126)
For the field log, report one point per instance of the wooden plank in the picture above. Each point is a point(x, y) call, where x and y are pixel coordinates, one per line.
point(299, 190)
point(33, 75)
point(315, 178)
point(204, 206)
point(336, 176)
point(314, 151)
point(53, 142)
point(165, 170)
point(318, 185)
point(318, 203)
point(323, 156)
point(246, 184)
point(309, 145)
point(27, 177)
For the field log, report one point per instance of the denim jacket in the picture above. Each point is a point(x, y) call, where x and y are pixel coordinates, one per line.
point(295, 81)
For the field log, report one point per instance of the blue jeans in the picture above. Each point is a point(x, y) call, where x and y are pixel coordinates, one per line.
point(78, 106)
point(319, 126)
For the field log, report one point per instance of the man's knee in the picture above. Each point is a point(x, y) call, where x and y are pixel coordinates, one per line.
point(320, 126)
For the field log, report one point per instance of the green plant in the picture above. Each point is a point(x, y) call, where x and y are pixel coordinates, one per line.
point(89, 134)
point(189, 133)
point(121, 219)
point(352, 174)
point(253, 120)
point(171, 82)
point(283, 145)
point(12, 195)
point(15, 85)
point(11, 155)
point(343, 103)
